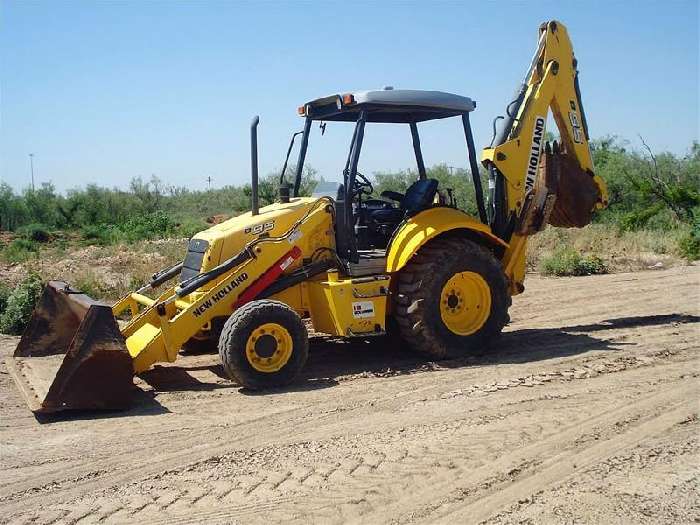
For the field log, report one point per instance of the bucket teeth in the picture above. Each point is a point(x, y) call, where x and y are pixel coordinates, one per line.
point(72, 355)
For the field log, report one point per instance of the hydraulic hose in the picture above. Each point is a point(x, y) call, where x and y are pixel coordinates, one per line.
point(160, 277)
point(192, 284)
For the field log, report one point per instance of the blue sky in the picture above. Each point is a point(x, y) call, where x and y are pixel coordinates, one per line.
point(104, 91)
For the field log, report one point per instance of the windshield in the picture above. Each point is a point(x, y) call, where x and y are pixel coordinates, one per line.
point(326, 188)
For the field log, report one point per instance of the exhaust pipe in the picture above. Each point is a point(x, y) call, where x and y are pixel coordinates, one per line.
point(254, 204)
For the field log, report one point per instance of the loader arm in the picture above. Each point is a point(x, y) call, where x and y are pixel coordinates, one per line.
point(156, 333)
point(533, 183)
point(74, 354)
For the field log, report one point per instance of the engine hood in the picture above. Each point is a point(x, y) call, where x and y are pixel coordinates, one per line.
point(229, 237)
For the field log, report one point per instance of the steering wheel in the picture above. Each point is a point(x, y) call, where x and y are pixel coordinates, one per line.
point(362, 185)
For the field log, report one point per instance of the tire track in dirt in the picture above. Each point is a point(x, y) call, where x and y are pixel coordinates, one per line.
point(101, 474)
point(197, 433)
point(367, 479)
point(423, 502)
point(191, 448)
point(349, 490)
point(561, 467)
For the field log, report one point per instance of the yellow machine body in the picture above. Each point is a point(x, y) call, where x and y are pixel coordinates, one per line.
point(351, 306)
point(241, 257)
point(348, 307)
point(231, 236)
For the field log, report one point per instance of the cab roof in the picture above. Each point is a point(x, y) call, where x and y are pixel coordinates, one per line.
point(388, 105)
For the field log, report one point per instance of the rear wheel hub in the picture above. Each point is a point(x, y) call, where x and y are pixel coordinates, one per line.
point(465, 303)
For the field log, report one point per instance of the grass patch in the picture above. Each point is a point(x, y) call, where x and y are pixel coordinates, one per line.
point(689, 243)
point(5, 292)
point(689, 247)
point(620, 251)
point(90, 284)
point(100, 234)
point(149, 226)
point(190, 227)
point(567, 261)
point(20, 250)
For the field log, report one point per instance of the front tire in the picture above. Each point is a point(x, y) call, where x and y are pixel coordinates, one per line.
point(264, 344)
point(452, 299)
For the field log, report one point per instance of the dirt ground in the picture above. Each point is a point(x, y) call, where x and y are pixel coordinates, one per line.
point(587, 413)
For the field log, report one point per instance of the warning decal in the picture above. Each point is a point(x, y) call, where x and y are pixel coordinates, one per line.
point(362, 309)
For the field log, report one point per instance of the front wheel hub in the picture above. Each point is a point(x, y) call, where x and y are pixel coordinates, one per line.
point(269, 347)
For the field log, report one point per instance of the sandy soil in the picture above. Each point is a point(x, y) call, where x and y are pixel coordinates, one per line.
point(587, 413)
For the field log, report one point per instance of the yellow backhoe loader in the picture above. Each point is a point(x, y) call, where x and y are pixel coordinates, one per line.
point(351, 263)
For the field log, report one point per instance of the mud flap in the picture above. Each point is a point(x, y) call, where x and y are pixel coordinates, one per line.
point(72, 355)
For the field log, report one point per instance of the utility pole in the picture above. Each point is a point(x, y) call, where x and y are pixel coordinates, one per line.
point(31, 165)
point(209, 181)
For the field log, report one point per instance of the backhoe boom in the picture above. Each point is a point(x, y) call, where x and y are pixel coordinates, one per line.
point(533, 182)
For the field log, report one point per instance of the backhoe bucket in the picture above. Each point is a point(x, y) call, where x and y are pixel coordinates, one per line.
point(563, 195)
point(72, 355)
point(576, 190)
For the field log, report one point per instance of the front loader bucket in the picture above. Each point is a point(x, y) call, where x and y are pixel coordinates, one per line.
point(72, 355)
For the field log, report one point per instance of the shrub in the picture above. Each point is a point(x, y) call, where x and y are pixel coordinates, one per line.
point(190, 227)
point(101, 234)
point(567, 261)
point(689, 243)
point(19, 250)
point(148, 226)
point(5, 291)
point(20, 304)
point(35, 232)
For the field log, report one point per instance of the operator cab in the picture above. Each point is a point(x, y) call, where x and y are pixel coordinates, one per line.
point(364, 223)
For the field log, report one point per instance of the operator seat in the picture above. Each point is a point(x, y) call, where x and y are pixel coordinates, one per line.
point(418, 196)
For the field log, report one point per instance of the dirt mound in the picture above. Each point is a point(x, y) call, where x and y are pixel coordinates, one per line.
point(6, 238)
point(217, 219)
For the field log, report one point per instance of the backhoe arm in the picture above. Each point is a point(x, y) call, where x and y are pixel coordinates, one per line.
point(531, 182)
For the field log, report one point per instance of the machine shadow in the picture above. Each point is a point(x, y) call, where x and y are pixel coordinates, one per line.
point(143, 404)
point(180, 377)
point(332, 359)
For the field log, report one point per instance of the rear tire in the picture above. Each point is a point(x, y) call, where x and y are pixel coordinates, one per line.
point(264, 344)
point(452, 299)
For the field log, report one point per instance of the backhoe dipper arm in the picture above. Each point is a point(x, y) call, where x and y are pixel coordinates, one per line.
point(532, 183)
